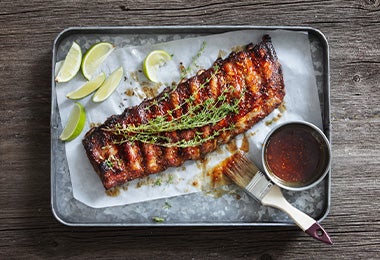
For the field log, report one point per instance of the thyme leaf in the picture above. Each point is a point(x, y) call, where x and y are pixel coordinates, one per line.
point(158, 219)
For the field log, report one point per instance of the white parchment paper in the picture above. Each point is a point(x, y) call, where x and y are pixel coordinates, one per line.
point(301, 102)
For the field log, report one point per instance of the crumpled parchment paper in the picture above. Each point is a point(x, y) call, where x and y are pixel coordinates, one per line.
point(301, 102)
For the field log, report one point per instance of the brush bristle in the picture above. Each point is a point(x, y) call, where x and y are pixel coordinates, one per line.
point(240, 169)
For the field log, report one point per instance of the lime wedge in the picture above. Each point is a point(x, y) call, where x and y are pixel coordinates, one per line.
point(87, 88)
point(75, 124)
point(71, 65)
point(108, 86)
point(153, 61)
point(94, 57)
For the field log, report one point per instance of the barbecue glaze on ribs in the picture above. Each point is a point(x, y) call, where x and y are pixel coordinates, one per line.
point(256, 78)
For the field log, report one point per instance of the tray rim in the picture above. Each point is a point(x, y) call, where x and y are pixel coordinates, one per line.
point(182, 29)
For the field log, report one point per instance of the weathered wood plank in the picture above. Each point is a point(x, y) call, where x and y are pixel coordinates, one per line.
point(27, 226)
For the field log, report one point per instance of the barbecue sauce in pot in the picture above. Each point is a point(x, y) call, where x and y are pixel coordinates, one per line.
point(294, 155)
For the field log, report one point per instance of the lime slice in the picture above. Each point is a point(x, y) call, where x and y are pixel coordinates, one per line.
point(71, 65)
point(94, 57)
point(87, 88)
point(153, 61)
point(108, 86)
point(75, 124)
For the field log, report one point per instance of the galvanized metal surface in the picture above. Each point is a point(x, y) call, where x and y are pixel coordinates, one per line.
point(71, 212)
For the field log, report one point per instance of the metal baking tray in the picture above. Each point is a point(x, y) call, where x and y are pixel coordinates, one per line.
point(196, 209)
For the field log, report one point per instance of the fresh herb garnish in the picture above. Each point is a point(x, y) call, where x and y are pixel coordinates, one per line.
point(193, 63)
point(170, 179)
point(198, 115)
point(157, 182)
point(166, 205)
point(112, 161)
point(109, 163)
point(158, 219)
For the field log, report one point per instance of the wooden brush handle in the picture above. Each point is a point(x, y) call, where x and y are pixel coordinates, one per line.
point(276, 199)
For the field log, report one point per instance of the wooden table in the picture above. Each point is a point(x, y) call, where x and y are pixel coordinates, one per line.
point(28, 228)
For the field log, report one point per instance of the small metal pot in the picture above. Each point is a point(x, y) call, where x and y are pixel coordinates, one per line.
point(296, 155)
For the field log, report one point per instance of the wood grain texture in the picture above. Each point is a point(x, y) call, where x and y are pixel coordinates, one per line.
point(28, 229)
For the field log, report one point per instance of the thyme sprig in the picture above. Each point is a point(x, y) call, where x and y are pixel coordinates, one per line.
point(153, 132)
point(198, 115)
point(193, 63)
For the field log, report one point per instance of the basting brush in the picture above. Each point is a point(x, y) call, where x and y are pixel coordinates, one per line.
point(246, 175)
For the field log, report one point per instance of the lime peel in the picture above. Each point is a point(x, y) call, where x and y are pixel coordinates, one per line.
point(153, 61)
point(108, 86)
point(88, 87)
point(94, 57)
point(75, 123)
point(71, 64)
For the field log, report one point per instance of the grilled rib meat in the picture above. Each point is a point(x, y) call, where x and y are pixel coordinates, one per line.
point(256, 79)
